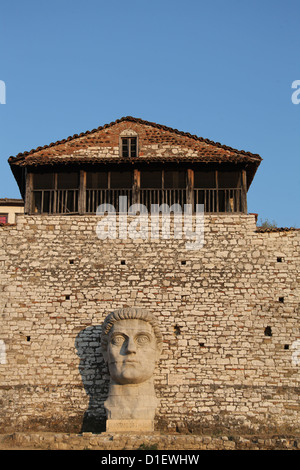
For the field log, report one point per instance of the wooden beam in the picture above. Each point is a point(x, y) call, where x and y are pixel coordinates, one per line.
point(216, 207)
point(244, 191)
point(190, 187)
point(82, 193)
point(136, 186)
point(28, 208)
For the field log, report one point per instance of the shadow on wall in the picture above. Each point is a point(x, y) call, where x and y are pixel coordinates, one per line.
point(95, 378)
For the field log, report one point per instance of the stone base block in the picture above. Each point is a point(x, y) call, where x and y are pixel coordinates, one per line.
point(129, 425)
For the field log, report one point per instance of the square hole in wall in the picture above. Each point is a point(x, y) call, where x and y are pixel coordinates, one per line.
point(268, 331)
point(71, 261)
point(281, 299)
point(286, 346)
point(67, 297)
point(177, 330)
point(123, 261)
point(183, 262)
point(279, 259)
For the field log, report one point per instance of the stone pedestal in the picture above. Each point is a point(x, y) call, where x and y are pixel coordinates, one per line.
point(129, 425)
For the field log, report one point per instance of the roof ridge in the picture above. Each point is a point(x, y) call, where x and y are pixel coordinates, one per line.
point(140, 121)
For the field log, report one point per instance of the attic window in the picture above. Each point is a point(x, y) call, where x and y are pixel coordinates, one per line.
point(129, 147)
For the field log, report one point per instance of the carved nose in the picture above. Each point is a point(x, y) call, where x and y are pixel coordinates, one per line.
point(130, 346)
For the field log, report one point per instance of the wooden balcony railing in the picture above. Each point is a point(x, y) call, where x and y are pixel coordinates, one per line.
point(220, 200)
point(96, 197)
point(55, 201)
point(147, 197)
point(70, 201)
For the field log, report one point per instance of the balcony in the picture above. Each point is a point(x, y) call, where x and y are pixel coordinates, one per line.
point(68, 201)
point(55, 201)
point(97, 197)
point(220, 200)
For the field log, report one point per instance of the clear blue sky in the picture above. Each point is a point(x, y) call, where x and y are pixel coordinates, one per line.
point(221, 69)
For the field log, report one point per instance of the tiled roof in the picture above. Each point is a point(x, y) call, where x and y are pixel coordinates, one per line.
point(211, 151)
point(157, 143)
point(11, 202)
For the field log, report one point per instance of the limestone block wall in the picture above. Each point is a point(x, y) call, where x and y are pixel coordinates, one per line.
point(229, 314)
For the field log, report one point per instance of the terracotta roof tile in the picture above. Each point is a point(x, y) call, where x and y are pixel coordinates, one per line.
point(11, 202)
point(210, 149)
point(157, 143)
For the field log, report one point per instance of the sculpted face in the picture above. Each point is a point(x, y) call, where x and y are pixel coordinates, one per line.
point(131, 351)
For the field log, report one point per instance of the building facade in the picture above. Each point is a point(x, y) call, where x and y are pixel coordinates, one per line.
point(228, 310)
point(9, 208)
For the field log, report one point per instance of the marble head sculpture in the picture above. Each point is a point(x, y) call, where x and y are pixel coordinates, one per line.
point(131, 344)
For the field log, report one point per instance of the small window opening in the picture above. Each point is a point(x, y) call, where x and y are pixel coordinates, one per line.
point(71, 261)
point(201, 345)
point(177, 331)
point(123, 261)
point(279, 259)
point(268, 331)
point(3, 218)
point(67, 297)
point(129, 147)
point(28, 338)
point(281, 299)
point(286, 346)
point(183, 263)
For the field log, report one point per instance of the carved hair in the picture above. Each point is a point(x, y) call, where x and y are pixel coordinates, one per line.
point(130, 313)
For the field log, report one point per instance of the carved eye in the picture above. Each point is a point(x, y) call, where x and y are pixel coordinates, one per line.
point(118, 340)
point(142, 340)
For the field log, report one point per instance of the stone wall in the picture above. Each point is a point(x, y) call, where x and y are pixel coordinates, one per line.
point(146, 442)
point(229, 314)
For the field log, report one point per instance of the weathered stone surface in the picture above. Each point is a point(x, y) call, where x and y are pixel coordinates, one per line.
point(213, 312)
point(151, 441)
point(130, 425)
